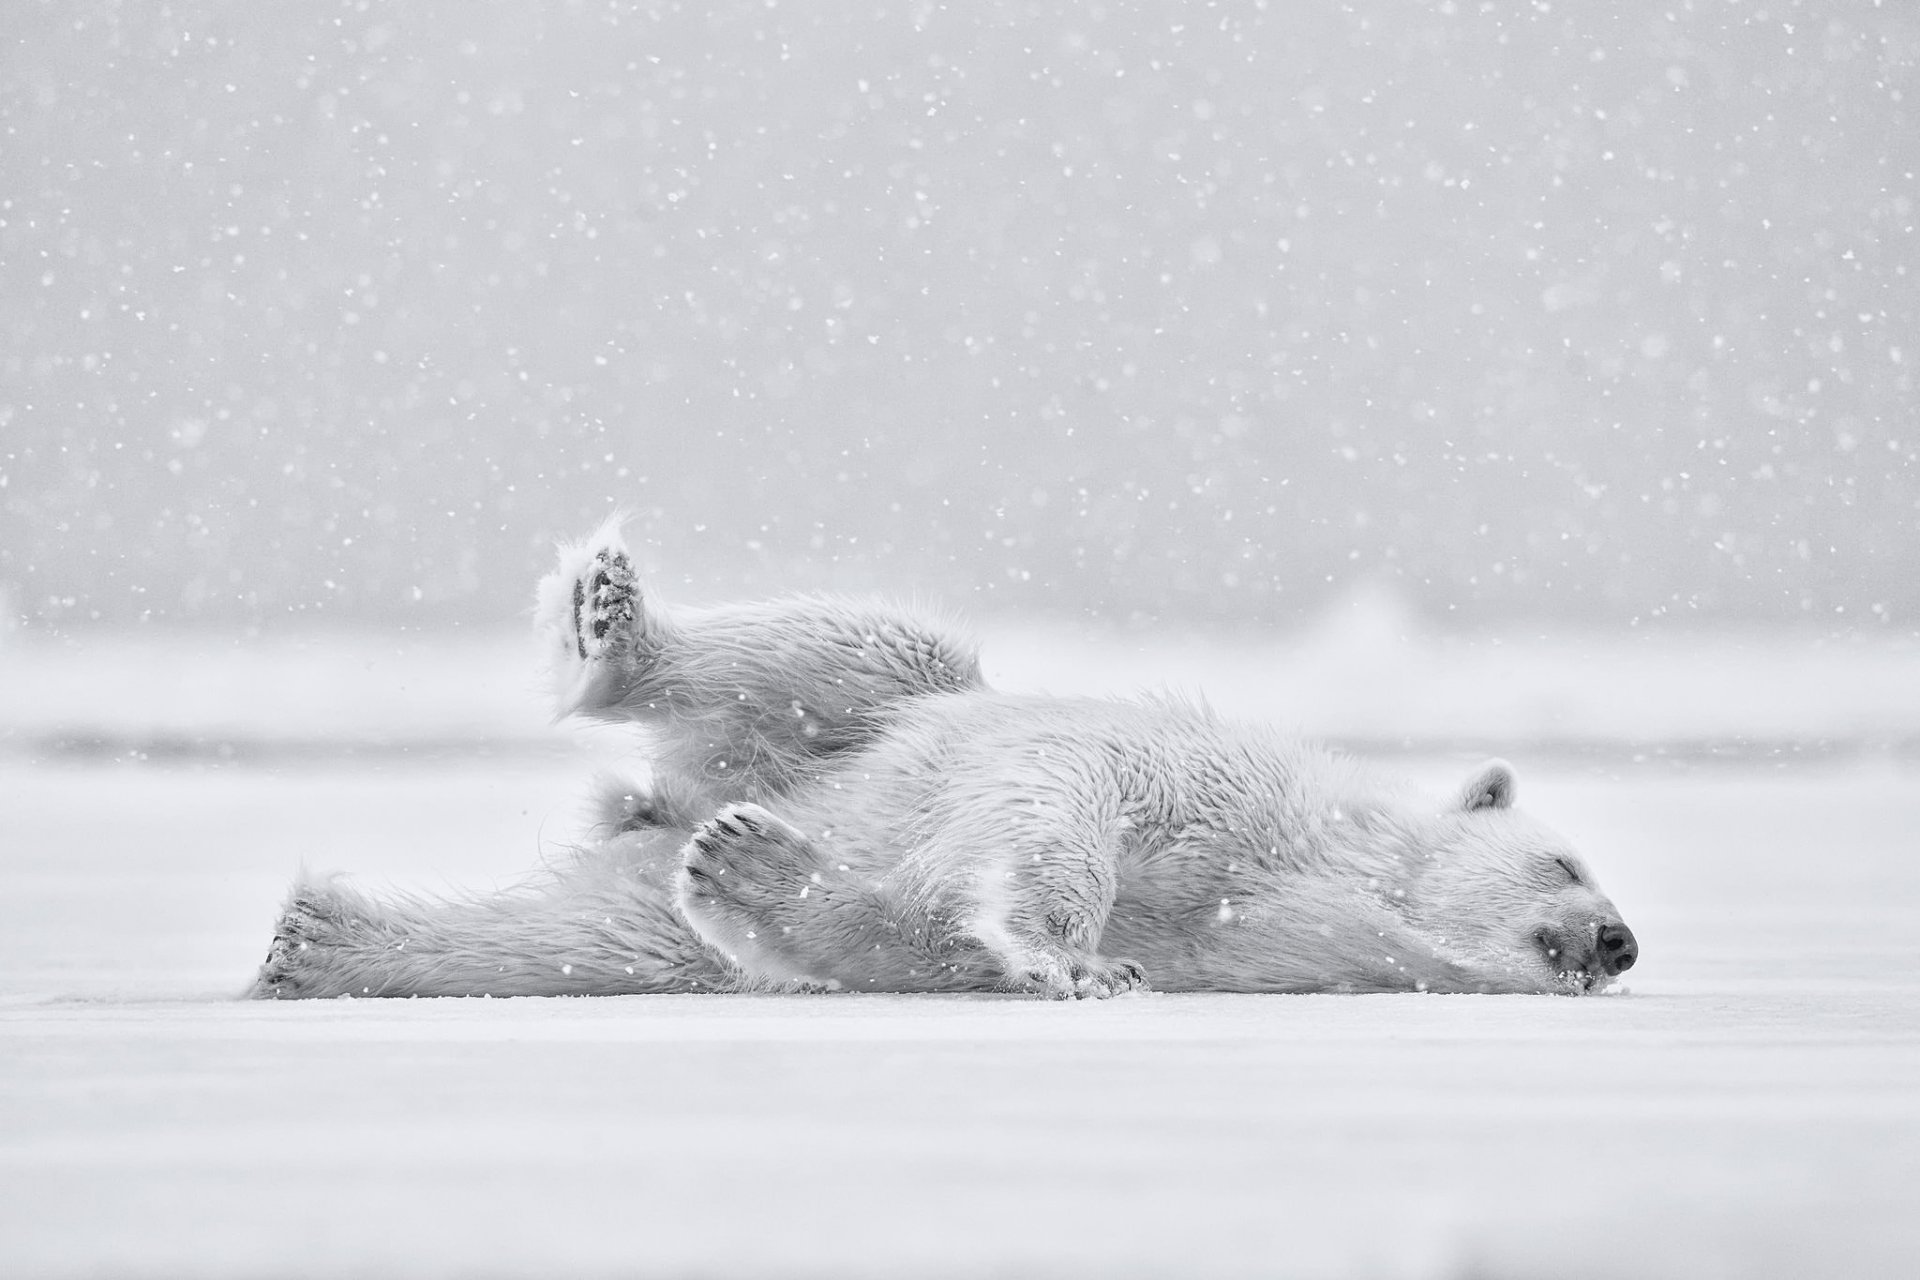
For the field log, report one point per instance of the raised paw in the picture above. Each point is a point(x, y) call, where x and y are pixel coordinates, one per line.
point(593, 623)
point(603, 604)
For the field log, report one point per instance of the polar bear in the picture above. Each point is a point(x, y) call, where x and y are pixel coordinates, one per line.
point(838, 802)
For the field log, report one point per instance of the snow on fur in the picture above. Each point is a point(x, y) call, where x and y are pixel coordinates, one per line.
point(838, 802)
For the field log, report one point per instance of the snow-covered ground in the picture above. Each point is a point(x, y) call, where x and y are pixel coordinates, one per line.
point(1749, 1106)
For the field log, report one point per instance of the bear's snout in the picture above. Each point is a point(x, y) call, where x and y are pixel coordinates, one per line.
point(1615, 947)
point(1603, 949)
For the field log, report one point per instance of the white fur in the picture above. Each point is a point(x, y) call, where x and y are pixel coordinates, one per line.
point(838, 801)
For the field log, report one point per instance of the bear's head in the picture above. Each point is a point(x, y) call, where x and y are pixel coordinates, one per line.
point(1511, 897)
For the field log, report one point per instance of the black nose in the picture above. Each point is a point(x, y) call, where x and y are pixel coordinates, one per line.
point(1616, 948)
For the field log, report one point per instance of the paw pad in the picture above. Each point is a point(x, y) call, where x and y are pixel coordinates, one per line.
point(603, 602)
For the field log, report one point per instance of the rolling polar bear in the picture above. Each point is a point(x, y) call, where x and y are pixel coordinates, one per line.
point(837, 802)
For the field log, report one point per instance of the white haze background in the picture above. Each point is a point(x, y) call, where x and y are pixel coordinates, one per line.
point(1440, 379)
point(1596, 312)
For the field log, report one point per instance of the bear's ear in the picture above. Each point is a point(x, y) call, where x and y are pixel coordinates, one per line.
point(1491, 787)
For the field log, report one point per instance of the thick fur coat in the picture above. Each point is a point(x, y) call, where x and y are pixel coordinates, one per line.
point(838, 802)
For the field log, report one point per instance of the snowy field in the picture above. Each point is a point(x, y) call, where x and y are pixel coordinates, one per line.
point(1376, 313)
point(1749, 1106)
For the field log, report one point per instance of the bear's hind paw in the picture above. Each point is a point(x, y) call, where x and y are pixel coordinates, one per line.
point(590, 615)
point(283, 974)
point(604, 604)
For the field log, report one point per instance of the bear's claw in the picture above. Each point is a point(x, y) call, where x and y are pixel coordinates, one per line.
point(736, 840)
point(751, 886)
point(1115, 976)
point(1083, 980)
point(281, 972)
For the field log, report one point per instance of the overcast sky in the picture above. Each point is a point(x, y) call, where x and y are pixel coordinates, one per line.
point(1600, 313)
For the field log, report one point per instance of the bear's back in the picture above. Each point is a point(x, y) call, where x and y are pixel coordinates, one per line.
point(952, 778)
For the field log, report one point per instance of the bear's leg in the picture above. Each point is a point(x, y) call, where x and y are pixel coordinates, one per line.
point(747, 701)
point(1041, 909)
point(611, 937)
point(760, 892)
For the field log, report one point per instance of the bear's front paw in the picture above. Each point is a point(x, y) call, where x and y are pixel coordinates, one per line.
point(745, 860)
point(752, 887)
point(1102, 978)
point(1096, 979)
